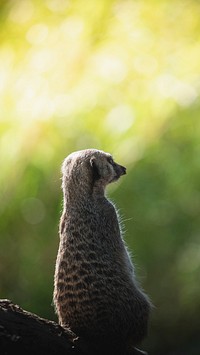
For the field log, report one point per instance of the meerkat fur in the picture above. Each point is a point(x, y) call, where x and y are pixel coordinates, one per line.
point(95, 290)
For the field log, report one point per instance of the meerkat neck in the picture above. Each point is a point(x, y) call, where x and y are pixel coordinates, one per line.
point(77, 194)
point(98, 191)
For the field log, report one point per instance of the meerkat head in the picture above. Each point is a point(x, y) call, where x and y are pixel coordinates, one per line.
point(104, 169)
point(92, 167)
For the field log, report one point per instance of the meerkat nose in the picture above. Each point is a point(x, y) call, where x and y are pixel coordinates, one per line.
point(123, 170)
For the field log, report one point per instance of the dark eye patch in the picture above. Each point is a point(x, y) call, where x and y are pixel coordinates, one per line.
point(110, 160)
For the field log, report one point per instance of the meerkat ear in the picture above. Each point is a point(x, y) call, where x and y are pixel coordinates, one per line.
point(95, 170)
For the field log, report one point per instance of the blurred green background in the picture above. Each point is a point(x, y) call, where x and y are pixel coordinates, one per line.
point(122, 76)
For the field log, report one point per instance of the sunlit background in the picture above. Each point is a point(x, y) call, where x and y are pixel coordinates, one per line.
point(117, 75)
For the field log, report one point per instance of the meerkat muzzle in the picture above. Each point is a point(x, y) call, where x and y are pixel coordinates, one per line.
point(120, 170)
point(123, 169)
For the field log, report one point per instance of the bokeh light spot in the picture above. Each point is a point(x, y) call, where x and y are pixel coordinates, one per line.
point(33, 210)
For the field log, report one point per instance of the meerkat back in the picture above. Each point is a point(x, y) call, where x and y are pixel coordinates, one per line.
point(95, 291)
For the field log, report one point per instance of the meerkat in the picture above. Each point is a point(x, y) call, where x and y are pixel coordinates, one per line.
point(96, 293)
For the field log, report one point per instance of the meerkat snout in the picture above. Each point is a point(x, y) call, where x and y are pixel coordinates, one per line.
point(120, 169)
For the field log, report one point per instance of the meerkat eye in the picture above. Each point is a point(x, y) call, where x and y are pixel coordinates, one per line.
point(110, 160)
